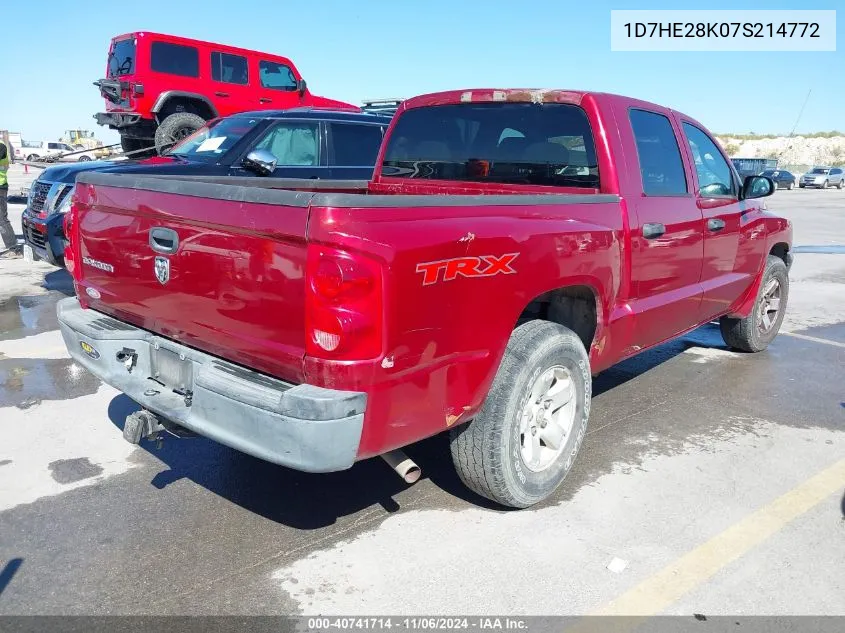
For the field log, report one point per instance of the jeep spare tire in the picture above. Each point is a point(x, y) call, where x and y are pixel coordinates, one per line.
point(176, 127)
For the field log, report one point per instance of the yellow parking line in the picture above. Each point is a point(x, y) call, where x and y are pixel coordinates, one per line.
point(655, 594)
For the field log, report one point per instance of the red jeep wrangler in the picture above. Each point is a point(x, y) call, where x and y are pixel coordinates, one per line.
point(163, 88)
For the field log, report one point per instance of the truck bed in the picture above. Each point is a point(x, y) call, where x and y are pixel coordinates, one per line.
point(237, 281)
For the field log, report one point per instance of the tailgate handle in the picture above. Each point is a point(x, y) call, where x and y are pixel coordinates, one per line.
point(164, 240)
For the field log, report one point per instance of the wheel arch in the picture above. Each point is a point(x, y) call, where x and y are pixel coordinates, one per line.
point(169, 102)
point(574, 306)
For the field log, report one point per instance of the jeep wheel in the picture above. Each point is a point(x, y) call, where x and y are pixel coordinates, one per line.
point(176, 127)
point(521, 445)
point(758, 329)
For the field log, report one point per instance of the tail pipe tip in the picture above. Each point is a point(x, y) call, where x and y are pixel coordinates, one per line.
point(404, 466)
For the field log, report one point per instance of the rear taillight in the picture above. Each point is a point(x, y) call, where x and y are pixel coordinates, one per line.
point(343, 305)
point(67, 231)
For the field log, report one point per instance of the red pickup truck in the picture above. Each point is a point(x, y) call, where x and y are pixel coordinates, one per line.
point(511, 245)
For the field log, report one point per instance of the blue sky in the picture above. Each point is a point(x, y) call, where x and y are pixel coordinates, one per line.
point(355, 50)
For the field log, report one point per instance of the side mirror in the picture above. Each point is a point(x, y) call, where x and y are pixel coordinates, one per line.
point(260, 161)
point(757, 187)
point(301, 87)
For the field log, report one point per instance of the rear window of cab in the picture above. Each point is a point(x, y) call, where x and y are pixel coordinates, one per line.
point(512, 143)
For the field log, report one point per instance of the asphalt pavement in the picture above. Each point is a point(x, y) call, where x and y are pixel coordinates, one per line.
point(710, 482)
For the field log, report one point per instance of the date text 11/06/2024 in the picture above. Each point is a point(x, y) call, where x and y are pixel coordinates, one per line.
point(418, 623)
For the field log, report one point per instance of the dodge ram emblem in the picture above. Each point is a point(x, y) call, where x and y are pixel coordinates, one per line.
point(162, 266)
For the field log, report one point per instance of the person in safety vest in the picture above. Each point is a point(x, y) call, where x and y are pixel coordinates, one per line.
point(7, 233)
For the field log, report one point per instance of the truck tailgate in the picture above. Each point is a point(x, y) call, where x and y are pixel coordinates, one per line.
point(216, 267)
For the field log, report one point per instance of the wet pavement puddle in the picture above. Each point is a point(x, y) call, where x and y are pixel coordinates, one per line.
point(25, 383)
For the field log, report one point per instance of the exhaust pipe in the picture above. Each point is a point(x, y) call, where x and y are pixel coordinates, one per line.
point(404, 466)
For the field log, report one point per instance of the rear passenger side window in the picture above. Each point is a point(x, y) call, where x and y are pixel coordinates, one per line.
point(230, 69)
point(175, 59)
point(714, 173)
point(661, 167)
point(356, 145)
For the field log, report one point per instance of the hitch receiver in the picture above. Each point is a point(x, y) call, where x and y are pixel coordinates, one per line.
point(139, 425)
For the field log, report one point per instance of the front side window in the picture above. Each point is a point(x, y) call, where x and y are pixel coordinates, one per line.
point(356, 145)
point(714, 173)
point(820, 170)
point(230, 69)
point(276, 76)
point(53, 146)
point(293, 143)
point(175, 59)
point(661, 166)
point(513, 143)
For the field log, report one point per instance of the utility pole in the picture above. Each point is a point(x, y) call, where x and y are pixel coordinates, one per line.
point(807, 98)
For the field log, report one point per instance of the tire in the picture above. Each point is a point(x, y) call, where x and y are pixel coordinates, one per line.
point(84, 159)
point(32, 158)
point(790, 186)
point(801, 186)
point(488, 451)
point(826, 183)
point(176, 127)
point(839, 184)
point(748, 334)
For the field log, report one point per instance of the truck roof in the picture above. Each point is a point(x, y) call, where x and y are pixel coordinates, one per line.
point(523, 95)
point(529, 95)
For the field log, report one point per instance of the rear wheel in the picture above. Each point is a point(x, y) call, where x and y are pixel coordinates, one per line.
point(176, 127)
point(84, 158)
point(32, 158)
point(521, 445)
point(758, 329)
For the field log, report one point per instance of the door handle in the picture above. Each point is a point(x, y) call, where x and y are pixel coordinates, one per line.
point(265, 100)
point(221, 94)
point(715, 224)
point(653, 230)
point(164, 240)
